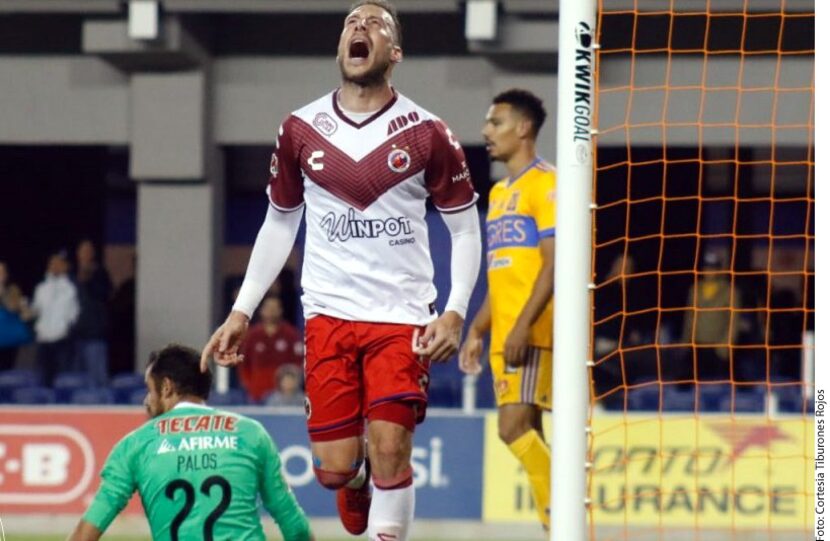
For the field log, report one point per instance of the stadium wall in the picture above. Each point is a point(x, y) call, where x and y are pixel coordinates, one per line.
point(677, 471)
point(85, 100)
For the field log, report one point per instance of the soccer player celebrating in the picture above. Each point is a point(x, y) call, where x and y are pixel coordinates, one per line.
point(198, 470)
point(361, 162)
point(518, 309)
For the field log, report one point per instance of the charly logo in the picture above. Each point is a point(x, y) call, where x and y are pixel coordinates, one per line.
point(513, 204)
point(583, 86)
point(398, 160)
point(314, 160)
point(325, 124)
point(347, 226)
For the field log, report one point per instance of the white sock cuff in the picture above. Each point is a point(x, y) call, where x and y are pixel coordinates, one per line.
point(391, 513)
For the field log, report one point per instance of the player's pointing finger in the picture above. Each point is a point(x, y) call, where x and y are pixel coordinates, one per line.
point(207, 352)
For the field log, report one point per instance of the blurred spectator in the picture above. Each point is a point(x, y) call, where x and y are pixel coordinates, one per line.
point(285, 287)
point(288, 390)
point(56, 307)
point(14, 312)
point(621, 296)
point(269, 345)
point(709, 324)
point(90, 330)
point(785, 333)
point(122, 327)
point(625, 308)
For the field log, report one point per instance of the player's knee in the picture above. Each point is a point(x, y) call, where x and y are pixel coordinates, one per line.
point(515, 421)
point(509, 434)
point(391, 442)
point(334, 480)
point(402, 414)
point(390, 450)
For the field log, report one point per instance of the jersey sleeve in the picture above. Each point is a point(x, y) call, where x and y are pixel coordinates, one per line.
point(117, 487)
point(544, 206)
point(448, 178)
point(277, 497)
point(285, 187)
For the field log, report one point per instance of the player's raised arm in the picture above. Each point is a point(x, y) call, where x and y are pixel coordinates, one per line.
point(271, 250)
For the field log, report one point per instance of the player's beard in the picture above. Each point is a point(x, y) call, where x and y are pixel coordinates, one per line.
point(376, 76)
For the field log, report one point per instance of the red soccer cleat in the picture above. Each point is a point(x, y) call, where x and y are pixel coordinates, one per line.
point(353, 505)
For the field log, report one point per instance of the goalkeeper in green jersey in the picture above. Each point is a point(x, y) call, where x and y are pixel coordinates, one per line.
point(198, 469)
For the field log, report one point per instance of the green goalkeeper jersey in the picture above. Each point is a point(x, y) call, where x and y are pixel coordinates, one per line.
point(199, 471)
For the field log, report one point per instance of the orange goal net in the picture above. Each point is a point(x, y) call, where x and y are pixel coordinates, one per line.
point(701, 381)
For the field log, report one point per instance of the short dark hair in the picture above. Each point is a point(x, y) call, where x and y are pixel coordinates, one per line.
point(180, 364)
point(527, 104)
point(387, 6)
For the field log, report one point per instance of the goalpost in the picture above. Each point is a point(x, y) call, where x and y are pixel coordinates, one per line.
point(685, 154)
point(572, 269)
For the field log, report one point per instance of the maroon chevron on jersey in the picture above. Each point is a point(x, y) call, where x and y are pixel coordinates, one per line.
point(364, 185)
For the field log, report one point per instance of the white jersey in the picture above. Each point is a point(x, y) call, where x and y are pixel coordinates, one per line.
point(364, 186)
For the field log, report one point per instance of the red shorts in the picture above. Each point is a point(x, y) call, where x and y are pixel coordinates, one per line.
point(352, 367)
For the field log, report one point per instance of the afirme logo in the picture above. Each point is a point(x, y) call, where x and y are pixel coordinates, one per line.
point(198, 443)
point(43, 464)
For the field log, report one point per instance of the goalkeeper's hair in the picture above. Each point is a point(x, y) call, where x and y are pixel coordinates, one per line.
point(390, 8)
point(527, 104)
point(180, 364)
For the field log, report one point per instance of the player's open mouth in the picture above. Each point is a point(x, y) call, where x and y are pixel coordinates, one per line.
point(359, 49)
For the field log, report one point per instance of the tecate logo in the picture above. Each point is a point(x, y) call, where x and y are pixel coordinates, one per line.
point(42, 464)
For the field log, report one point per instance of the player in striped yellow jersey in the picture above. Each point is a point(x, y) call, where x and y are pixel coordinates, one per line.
point(518, 310)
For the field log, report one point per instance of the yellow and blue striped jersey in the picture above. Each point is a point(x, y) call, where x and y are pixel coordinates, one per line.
point(521, 213)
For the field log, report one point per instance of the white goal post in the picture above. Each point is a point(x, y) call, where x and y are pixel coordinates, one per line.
point(572, 275)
